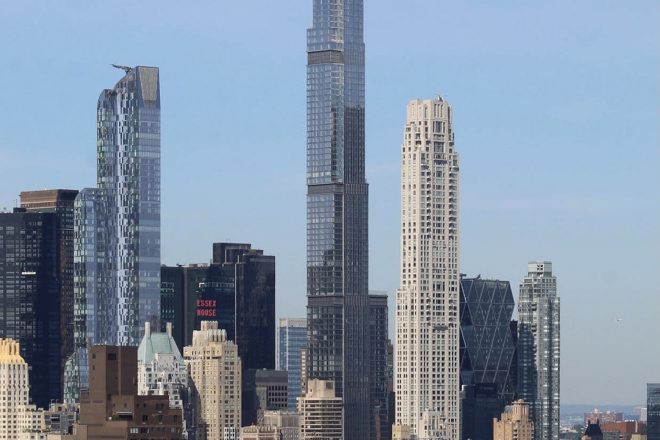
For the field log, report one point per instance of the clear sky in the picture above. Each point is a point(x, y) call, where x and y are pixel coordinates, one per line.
point(556, 107)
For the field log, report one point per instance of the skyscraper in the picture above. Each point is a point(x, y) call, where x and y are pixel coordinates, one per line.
point(59, 202)
point(292, 339)
point(378, 374)
point(653, 408)
point(215, 371)
point(488, 344)
point(337, 210)
point(427, 318)
point(117, 224)
point(538, 348)
point(30, 296)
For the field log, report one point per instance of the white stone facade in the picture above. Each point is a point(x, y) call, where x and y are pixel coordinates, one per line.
point(161, 368)
point(427, 317)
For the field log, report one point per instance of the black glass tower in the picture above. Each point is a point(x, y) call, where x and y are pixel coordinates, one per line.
point(488, 339)
point(653, 411)
point(237, 290)
point(337, 210)
point(487, 353)
point(30, 297)
point(60, 202)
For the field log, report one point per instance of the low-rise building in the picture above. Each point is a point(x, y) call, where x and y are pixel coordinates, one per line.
point(514, 424)
point(263, 390)
point(111, 407)
point(320, 411)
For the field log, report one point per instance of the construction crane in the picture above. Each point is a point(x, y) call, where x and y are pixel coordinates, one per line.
point(124, 68)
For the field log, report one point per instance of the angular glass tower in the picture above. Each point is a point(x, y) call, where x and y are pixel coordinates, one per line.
point(488, 354)
point(337, 210)
point(488, 344)
point(117, 225)
point(538, 348)
point(128, 172)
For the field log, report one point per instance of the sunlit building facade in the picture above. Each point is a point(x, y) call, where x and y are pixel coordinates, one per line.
point(337, 212)
point(427, 316)
point(117, 224)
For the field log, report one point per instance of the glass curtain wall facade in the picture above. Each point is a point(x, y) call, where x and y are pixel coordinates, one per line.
point(488, 346)
point(538, 348)
point(30, 297)
point(653, 411)
point(117, 230)
point(128, 145)
point(60, 202)
point(291, 340)
point(337, 210)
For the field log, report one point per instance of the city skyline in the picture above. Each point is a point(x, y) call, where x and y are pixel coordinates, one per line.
point(571, 234)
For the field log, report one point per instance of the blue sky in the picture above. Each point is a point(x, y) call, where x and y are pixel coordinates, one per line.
point(556, 107)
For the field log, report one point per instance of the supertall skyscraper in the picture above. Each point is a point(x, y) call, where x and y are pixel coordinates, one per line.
point(337, 210)
point(427, 318)
point(117, 224)
point(538, 348)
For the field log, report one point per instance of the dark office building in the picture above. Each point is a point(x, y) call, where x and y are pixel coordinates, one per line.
point(480, 404)
point(487, 353)
point(59, 202)
point(263, 390)
point(30, 297)
point(379, 377)
point(237, 290)
point(653, 411)
point(172, 302)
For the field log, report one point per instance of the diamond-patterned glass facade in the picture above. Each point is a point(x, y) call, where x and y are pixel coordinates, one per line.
point(488, 338)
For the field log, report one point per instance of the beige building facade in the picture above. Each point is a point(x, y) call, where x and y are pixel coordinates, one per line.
point(427, 321)
point(215, 371)
point(320, 412)
point(514, 424)
point(14, 390)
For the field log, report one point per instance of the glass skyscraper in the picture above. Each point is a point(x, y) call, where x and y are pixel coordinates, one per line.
point(30, 297)
point(291, 340)
point(653, 411)
point(60, 202)
point(488, 344)
point(337, 210)
point(538, 348)
point(117, 224)
point(488, 354)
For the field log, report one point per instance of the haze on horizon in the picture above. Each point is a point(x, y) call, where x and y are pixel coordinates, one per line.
point(556, 115)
